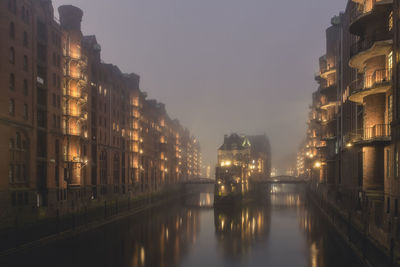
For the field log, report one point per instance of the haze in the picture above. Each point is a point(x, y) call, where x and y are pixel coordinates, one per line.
point(220, 66)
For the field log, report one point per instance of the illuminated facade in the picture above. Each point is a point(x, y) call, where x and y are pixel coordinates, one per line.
point(241, 158)
point(352, 148)
point(75, 129)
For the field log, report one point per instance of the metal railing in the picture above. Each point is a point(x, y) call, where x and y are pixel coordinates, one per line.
point(378, 131)
point(368, 41)
point(361, 9)
point(379, 77)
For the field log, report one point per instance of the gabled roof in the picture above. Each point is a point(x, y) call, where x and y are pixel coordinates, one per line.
point(235, 142)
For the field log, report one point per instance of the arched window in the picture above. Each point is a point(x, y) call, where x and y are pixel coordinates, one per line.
point(12, 82)
point(12, 30)
point(12, 55)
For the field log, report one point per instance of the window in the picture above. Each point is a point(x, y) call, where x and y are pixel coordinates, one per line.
point(12, 81)
point(18, 138)
point(390, 108)
point(25, 39)
point(25, 111)
point(54, 59)
point(11, 107)
point(396, 207)
point(388, 163)
point(54, 100)
point(58, 101)
point(54, 80)
point(11, 173)
point(27, 17)
point(396, 163)
point(390, 23)
point(25, 87)
point(12, 30)
point(388, 205)
point(12, 55)
point(11, 143)
point(12, 6)
point(58, 82)
point(25, 63)
point(54, 121)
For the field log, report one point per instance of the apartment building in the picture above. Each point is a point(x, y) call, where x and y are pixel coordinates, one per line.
point(357, 160)
point(76, 129)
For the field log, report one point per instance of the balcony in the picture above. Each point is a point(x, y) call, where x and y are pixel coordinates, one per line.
point(329, 96)
point(374, 45)
point(379, 82)
point(364, 14)
point(376, 133)
point(328, 71)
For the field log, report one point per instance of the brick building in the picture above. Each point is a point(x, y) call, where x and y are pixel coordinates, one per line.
point(357, 158)
point(76, 130)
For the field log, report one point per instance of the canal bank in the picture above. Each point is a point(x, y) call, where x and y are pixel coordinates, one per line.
point(354, 232)
point(189, 232)
point(25, 235)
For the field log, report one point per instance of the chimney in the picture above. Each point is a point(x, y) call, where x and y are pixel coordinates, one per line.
point(70, 17)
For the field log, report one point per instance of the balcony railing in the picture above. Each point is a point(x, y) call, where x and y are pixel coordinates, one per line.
point(378, 131)
point(368, 41)
point(361, 9)
point(379, 77)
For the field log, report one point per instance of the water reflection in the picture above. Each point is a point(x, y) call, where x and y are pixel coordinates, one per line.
point(280, 229)
point(239, 228)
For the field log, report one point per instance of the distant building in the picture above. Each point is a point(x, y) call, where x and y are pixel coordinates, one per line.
point(243, 157)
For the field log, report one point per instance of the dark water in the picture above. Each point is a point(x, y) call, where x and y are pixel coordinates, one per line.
point(281, 229)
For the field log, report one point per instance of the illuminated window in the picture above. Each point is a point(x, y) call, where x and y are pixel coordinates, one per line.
point(388, 163)
point(390, 61)
point(396, 164)
point(390, 109)
point(390, 21)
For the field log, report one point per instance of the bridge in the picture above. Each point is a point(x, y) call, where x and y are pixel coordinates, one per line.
point(272, 180)
point(200, 181)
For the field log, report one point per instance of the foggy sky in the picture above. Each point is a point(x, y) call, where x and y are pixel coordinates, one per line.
point(220, 66)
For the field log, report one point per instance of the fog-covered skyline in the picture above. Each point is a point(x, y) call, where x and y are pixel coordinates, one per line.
point(220, 66)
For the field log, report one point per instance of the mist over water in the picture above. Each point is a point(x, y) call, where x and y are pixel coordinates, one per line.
point(282, 229)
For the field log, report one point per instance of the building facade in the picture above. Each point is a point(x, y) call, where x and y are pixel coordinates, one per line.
point(75, 129)
point(351, 149)
point(240, 159)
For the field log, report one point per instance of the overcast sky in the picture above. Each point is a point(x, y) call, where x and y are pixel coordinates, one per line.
point(220, 66)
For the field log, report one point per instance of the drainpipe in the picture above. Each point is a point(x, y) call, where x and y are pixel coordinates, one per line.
point(341, 103)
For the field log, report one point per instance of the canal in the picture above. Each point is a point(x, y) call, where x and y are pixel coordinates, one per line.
point(281, 229)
